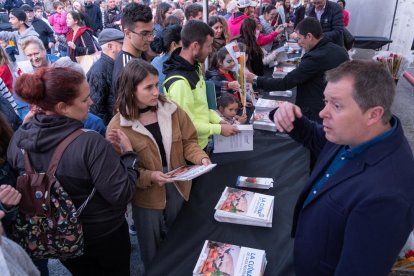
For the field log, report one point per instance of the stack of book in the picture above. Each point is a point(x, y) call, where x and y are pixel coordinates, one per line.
point(189, 172)
point(244, 207)
point(254, 182)
point(218, 258)
point(266, 104)
point(260, 120)
point(280, 72)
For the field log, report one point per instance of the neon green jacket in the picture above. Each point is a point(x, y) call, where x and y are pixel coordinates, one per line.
point(194, 102)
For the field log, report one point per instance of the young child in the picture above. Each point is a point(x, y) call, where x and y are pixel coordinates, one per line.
point(58, 21)
point(10, 50)
point(225, 80)
point(5, 73)
point(228, 106)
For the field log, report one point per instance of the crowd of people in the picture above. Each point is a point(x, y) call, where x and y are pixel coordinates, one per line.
point(143, 111)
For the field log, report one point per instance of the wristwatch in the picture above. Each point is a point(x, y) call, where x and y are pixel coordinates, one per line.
point(254, 82)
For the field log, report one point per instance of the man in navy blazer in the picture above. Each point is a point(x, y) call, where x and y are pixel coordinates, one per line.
point(356, 210)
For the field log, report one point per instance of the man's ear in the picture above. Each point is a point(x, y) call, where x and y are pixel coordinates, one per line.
point(374, 115)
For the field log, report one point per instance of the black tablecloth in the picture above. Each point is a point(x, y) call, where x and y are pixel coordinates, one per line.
point(273, 156)
point(370, 42)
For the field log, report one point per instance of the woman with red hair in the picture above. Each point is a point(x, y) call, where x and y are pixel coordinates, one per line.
point(89, 162)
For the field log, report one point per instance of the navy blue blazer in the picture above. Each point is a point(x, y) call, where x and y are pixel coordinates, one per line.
point(360, 220)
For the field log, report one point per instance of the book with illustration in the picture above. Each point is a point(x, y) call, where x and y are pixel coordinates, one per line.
point(266, 104)
point(244, 207)
point(225, 259)
point(260, 120)
point(189, 172)
point(254, 182)
point(405, 260)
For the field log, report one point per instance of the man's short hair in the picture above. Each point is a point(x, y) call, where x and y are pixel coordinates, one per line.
point(195, 30)
point(193, 10)
point(310, 25)
point(373, 86)
point(133, 13)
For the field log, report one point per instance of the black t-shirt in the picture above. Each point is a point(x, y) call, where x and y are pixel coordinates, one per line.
point(156, 133)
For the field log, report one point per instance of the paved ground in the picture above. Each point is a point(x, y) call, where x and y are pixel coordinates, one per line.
point(137, 269)
point(403, 107)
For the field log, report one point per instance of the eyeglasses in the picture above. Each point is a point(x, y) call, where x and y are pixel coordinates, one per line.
point(145, 34)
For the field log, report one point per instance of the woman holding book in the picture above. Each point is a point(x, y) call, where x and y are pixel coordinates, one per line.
point(164, 138)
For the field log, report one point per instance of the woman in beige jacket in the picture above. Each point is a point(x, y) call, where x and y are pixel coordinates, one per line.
point(164, 137)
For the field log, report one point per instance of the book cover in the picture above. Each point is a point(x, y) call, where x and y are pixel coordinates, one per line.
point(245, 207)
point(218, 258)
point(260, 120)
point(405, 260)
point(242, 141)
point(266, 104)
point(189, 172)
point(254, 182)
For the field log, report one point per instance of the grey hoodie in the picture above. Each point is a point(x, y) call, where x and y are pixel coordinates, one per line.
point(18, 37)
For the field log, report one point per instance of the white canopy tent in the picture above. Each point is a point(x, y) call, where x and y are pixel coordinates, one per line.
point(392, 19)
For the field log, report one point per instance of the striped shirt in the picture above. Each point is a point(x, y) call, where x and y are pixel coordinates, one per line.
point(7, 95)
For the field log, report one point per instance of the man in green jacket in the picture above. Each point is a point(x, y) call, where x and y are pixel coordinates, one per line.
point(185, 85)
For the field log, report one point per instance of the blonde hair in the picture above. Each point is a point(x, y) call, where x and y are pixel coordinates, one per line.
point(34, 40)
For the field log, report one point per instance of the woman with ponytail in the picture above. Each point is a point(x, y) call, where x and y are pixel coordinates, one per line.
point(63, 100)
point(171, 40)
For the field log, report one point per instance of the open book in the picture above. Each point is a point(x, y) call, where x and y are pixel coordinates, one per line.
point(225, 259)
point(242, 141)
point(189, 172)
point(245, 207)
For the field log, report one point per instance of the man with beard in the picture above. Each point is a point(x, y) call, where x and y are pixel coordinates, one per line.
point(41, 27)
point(185, 85)
point(112, 16)
point(17, 19)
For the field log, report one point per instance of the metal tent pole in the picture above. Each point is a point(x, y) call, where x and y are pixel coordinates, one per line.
point(392, 25)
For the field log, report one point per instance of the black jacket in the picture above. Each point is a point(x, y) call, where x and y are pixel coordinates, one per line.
point(309, 77)
point(94, 15)
point(254, 62)
point(44, 31)
point(89, 161)
point(100, 84)
point(299, 14)
point(110, 16)
point(332, 22)
point(15, 4)
point(217, 78)
point(176, 65)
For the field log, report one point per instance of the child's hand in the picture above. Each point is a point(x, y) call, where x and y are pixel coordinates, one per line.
point(242, 119)
point(234, 85)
